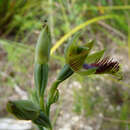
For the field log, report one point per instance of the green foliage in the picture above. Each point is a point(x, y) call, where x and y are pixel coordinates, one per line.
point(20, 16)
point(21, 21)
point(14, 52)
point(8, 9)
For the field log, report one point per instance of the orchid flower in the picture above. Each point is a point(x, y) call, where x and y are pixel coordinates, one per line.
point(82, 62)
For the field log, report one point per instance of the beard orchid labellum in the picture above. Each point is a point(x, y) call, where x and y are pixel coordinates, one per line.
point(83, 63)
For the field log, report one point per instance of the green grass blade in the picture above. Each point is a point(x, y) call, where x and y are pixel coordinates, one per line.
point(76, 29)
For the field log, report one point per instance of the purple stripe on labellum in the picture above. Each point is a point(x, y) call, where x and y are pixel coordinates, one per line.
point(105, 65)
point(88, 66)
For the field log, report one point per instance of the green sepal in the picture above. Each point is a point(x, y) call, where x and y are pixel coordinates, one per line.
point(95, 57)
point(75, 55)
point(89, 45)
point(42, 120)
point(23, 109)
point(71, 46)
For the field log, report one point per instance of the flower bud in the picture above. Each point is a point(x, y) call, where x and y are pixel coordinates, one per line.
point(26, 110)
point(23, 109)
point(43, 46)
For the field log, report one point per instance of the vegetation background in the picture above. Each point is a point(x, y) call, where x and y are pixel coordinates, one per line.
point(86, 103)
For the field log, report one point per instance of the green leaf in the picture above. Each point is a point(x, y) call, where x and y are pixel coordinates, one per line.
point(95, 57)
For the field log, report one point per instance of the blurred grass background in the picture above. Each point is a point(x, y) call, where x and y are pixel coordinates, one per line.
point(101, 97)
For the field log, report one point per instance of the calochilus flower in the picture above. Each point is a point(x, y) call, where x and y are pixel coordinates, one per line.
point(80, 61)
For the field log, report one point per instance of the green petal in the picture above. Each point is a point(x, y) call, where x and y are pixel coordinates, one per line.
point(89, 45)
point(87, 72)
point(95, 57)
point(71, 46)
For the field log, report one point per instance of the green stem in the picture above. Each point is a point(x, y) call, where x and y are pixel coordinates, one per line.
point(54, 87)
point(65, 73)
point(51, 94)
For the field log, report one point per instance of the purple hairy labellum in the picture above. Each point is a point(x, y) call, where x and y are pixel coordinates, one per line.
point(105, 65)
